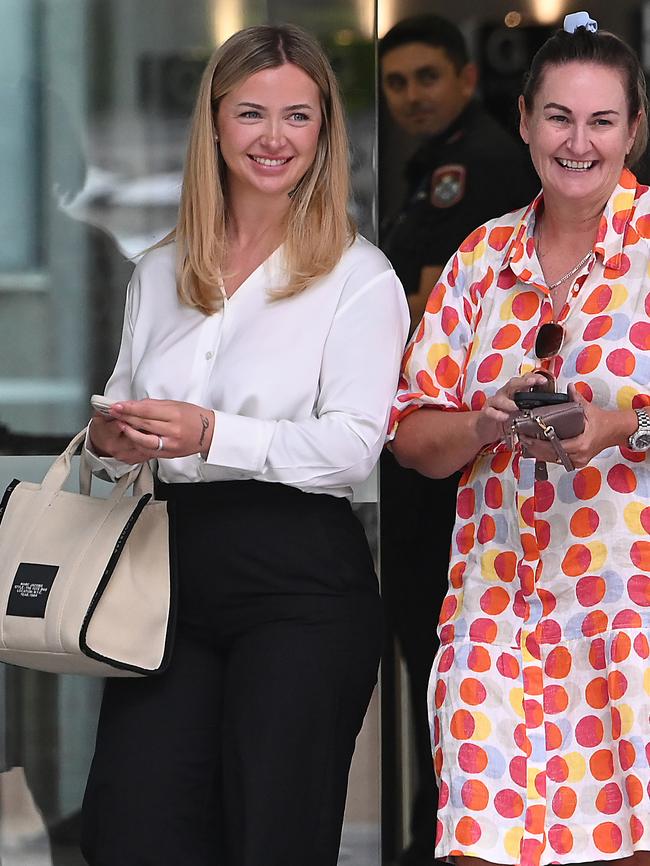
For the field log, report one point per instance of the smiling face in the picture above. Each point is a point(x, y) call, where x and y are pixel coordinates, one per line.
point(579, 132)
point(424, 90)
point(268, 128)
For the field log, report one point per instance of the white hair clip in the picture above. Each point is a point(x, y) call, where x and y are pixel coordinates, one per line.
point(579, 19)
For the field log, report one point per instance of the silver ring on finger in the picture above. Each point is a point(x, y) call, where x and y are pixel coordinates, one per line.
point(161, 444)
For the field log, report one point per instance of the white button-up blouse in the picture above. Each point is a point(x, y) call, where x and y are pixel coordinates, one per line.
point(301, 387)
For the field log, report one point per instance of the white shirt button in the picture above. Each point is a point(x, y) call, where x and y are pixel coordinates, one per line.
point(208, 356)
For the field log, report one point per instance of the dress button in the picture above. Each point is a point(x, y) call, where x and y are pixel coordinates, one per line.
point(208, 356)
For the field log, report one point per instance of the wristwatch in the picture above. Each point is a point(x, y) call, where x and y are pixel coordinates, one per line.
point(640, 439)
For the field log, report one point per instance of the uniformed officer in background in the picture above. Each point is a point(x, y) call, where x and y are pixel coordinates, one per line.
point(466, 170)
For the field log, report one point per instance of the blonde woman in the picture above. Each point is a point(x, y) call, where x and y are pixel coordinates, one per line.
point(260, 351)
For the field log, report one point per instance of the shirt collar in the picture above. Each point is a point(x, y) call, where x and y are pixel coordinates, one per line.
point(519, 258)
point(616, 221)
point(610, 239)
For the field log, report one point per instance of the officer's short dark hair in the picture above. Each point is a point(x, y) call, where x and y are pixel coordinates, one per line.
point(603, 49)
point(432, 30)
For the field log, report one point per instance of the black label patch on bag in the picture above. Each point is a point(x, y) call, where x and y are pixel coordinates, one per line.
point(31, 589)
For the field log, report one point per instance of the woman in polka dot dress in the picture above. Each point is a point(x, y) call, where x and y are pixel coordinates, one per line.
point(540, 693)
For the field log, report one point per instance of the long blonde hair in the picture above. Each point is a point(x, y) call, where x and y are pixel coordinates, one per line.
point(318, 227)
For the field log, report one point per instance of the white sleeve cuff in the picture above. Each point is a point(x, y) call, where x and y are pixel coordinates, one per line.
point(240, 442)
point(107, 468)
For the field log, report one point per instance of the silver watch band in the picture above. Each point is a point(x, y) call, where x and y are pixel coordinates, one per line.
point(640, 439)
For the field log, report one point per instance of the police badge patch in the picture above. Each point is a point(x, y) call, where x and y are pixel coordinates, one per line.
point(447, 185)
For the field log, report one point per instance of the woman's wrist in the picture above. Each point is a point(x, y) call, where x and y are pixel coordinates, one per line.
point(620, 424)
point(484, 430)
point(94, 448)
point(207, 417)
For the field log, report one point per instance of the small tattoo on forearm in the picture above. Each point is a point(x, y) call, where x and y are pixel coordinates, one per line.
point(205, 422)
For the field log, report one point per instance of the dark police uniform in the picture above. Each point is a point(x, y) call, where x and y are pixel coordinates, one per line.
point(456, 180)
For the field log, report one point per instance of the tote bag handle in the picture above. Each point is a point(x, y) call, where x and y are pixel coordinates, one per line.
point(141, 477)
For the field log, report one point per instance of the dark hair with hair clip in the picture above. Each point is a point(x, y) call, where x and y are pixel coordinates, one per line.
point(602, 48)
point(431, 30)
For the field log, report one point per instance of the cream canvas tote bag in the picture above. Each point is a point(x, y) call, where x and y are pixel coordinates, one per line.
point(87, 585)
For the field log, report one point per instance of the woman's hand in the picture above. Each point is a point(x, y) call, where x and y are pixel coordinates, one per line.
point(141, 426)
point(108, 440)
point(603, 429)
point(498, 410)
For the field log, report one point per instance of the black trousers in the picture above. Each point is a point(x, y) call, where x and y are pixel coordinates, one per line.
point(239, 754)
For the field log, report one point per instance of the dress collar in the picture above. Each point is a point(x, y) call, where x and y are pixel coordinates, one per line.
point(614, 231)
point(616, 224)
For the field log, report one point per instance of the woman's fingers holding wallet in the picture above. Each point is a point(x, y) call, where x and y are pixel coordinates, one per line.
point(498, 409)
point(503, 398)
point(603, 429)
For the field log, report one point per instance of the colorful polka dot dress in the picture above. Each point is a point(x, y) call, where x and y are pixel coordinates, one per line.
point(540, 693)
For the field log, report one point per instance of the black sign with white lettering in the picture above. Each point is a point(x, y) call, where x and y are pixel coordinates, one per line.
point(31, 589)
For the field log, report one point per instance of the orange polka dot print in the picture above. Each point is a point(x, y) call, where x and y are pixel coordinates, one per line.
point(540, 694)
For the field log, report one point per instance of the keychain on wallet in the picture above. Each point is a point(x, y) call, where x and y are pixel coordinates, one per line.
point(549, 415)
